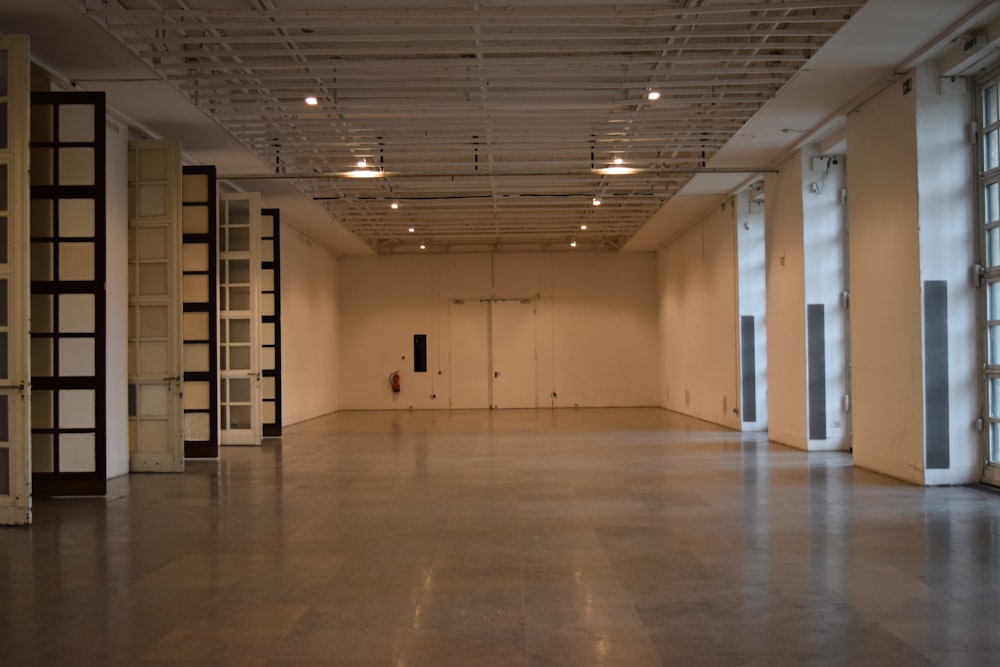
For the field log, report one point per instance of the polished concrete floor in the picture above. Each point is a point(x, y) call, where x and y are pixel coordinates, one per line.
point(577, 537)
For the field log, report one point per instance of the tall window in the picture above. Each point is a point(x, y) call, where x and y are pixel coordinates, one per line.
point(989, 258)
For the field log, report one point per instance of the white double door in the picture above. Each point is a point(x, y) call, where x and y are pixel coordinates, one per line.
point(493, 354)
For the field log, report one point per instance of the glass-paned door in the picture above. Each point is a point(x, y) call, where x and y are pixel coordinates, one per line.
point(15, 464)
point(201, 286)
point(989, 259)
point(68, 321)
point(239, 319)
point(154, 332)
point(270, 314)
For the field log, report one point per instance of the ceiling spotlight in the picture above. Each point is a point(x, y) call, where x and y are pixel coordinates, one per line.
point(364, 171)
point(423, 246)
point(653, 95)
point(394, 205)
point(312, 101)
point(618, 160)
point(596, 201)
point(615, 170)
point(572, 244)
point(362, 163)
point(583, 227)
point(411, 230)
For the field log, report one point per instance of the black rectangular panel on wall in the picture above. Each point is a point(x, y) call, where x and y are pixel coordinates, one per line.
point(199, 266)
point(419, 353)
point(748, 368)
point(937, 425)
point(270, 315)
point(816, 369)
point(68, 320)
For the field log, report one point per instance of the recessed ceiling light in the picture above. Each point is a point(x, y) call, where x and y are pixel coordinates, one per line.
point(597, 201)
point(362, 163)
point(411, 230)
point(616, 170)
point(572, 243)
point(312, 101)
point(653, 95)
point(423, 246)
point(618, 160)
point(583, 227)
point(394, 205)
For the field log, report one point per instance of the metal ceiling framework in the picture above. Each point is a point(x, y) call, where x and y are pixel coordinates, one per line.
point(488, 121)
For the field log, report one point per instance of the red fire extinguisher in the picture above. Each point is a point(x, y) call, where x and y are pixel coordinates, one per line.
point(394, 382)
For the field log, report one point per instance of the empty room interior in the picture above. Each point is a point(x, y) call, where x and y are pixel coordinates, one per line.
point(500, 332)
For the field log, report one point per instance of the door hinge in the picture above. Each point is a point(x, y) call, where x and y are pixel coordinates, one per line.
point(973, 133)
point(979, 424)
point(845, 299)
point(977, 272)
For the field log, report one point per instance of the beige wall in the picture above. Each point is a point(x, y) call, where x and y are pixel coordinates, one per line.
point(886, 341)
point(698, 314)
point(786, 306)
point(594, 326)
point(309, 328)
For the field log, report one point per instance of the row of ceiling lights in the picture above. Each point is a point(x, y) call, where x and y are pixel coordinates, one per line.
point(616, 168)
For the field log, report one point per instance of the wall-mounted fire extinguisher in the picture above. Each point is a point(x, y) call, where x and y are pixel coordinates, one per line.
point(394, 382)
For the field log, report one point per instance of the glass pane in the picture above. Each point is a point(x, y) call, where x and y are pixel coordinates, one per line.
point(3, 124)
point(994, 397)
point(76, 166)
point(3, 187)
point(41, 408)
point(991, 208)
point(195, 187)
point(196, 360)
point(152, 242)
point(990, 105)
point(3, 240)
point(267, 251)
point(76, 217)
point(41, 218)
point(153, 321)
point(3, 302)
point(195, 220)
point(77, 357)
point(239, 417)
point(4, 418)
point(239, 271)
point(41, 124)
point(4, 356)
point(991, 150)
point(239, 298)
point(239, 331)
point(77, 313)
point(195, 257)
point(152, 201)
point(995, 442)
point(993, 247)
point(239, 358)
point(993, 301)
point(153, 165)
point(153, 279)
point(41, 313)
point(76, 261)
point(239, 213)
point(239, 239)
point(993, 343)
point(4, 471)
point(77, 452)
point(153, 400)
point(76, 122)
point(239, 390)
point(267, 226)
point(196, 288)
point(196, 326)
point(77, 408)
point(3, 73)
point(42, 361)
point(41, 452)
point(41, 166)
point(41, 260)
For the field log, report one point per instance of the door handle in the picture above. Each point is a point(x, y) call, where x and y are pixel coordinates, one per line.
point(496, 374)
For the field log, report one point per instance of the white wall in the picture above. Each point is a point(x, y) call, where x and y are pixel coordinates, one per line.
point(309, 328)
point(824, 246)
point(751, 263)
point(699, 330)
point(944, 170)
point(594, 325)
point(886, 339)
point(117, 299)
point(786, 302)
